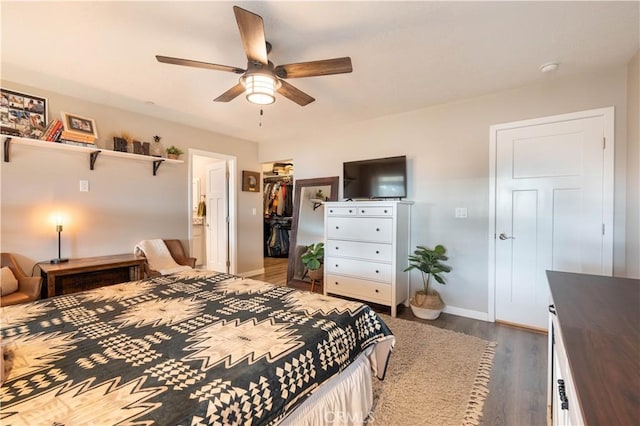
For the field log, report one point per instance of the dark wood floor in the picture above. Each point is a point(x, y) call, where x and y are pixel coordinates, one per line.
point(517, 391)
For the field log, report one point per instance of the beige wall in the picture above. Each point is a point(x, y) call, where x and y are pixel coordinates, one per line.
point(448, 165)
point(633, 167)
point(126, 203)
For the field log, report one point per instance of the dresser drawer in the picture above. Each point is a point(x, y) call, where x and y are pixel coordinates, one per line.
point(360, 229)
point(375, 211)
point(359, 268)
point(342, 211)
point(371, 251)
point(358, 288)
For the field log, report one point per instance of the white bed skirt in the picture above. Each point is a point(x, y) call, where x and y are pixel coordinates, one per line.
point(345, 399)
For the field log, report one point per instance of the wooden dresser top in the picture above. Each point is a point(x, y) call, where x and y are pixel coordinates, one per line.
point(599, 321)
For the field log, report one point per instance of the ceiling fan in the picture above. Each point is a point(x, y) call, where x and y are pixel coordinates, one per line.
point(262, 79)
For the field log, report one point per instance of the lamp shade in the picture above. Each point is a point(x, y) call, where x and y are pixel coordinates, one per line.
point(260, 88)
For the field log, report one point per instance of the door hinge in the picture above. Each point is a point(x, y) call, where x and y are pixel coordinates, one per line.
point(604, 143)
point(228, 263)
point(603, 229)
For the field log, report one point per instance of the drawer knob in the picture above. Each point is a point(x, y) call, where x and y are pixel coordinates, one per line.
point(385, 210)
point(350, 210)
point(336, 265)
point(377, 251)
point(362, 210)
point(377, 229)
point(336, 282)
point(377, 272)
point(330, 210)
point(337, 248)
point(337, 227)
point(377, 291)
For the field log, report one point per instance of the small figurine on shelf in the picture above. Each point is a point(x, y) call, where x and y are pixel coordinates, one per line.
point(173, 152)
point(156, 148)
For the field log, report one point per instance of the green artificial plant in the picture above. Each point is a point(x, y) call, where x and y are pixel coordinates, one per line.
point(313, 257)
point(428, 262)
point(174, 150)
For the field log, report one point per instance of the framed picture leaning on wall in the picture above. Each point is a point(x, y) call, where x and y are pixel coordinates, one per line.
point(22, 114)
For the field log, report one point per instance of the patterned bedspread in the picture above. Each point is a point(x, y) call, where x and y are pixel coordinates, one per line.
point(190, 349)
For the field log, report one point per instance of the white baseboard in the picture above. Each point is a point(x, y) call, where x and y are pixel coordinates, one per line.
point(251, 273)
point(468, 313)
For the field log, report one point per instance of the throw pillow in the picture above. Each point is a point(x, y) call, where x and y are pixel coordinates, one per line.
point(8, 282)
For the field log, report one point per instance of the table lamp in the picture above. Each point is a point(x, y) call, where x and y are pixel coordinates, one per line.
point(59, 230)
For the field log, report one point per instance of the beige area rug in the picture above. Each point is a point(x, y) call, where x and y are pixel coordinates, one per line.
point(435, 377)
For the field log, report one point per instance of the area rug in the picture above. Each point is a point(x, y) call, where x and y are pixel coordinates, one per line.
point(435, 377)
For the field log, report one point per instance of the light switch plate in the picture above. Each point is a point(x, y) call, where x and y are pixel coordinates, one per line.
point(84, 186)
point(461, 212)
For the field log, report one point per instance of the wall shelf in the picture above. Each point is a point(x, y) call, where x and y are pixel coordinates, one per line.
point(94, 153)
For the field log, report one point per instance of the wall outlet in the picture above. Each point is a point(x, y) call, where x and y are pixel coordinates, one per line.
point(254, 211)
point(84, 186)
point(461, 212)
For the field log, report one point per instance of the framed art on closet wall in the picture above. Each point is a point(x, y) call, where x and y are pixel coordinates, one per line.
point(250, 181)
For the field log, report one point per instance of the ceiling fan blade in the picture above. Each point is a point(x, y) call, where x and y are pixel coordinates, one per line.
point(231, 94)
point(315, 68)
point(294, 94)
point(252, 34)
point(198, 64)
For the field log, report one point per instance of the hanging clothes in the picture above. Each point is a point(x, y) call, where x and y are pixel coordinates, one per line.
point(278, 212)
point(277, 238)
point(278, 198)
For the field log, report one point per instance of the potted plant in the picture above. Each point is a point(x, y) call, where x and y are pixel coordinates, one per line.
point(426, 303)
point(312, 259)
point(173, 152)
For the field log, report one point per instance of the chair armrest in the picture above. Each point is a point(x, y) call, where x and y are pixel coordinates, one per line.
point(148, 272)
point(30, 286)
point(190, 261)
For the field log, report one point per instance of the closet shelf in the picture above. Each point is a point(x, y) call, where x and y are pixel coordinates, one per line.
point(93, 152)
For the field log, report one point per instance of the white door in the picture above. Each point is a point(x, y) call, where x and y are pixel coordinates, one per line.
point(216, 227)
point(553, 209)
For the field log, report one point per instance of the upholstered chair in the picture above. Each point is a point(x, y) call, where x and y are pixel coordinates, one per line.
point(177, 253)
point(28, 287)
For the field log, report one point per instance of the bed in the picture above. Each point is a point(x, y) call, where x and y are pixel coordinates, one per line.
point(191, 348)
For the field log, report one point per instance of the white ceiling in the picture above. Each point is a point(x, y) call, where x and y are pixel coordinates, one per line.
point(406, 55)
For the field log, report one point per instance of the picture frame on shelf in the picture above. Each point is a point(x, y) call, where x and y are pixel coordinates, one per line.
point(22, 114)
point(82, 125)
point(250, 181)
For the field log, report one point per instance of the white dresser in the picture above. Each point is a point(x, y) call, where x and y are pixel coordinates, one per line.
point(594, 350)
point(366, 249)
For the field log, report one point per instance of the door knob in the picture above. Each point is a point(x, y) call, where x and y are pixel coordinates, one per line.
point(504, 236)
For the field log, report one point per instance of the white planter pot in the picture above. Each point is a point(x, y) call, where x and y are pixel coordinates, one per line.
point(425, 313)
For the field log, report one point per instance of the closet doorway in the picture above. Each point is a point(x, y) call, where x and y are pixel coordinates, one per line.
point(212, 201)
point(277, 211)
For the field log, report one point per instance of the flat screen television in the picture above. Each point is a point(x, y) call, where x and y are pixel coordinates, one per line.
point(377, 178)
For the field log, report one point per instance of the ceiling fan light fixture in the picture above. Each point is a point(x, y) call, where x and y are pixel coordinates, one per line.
point(260, 89)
